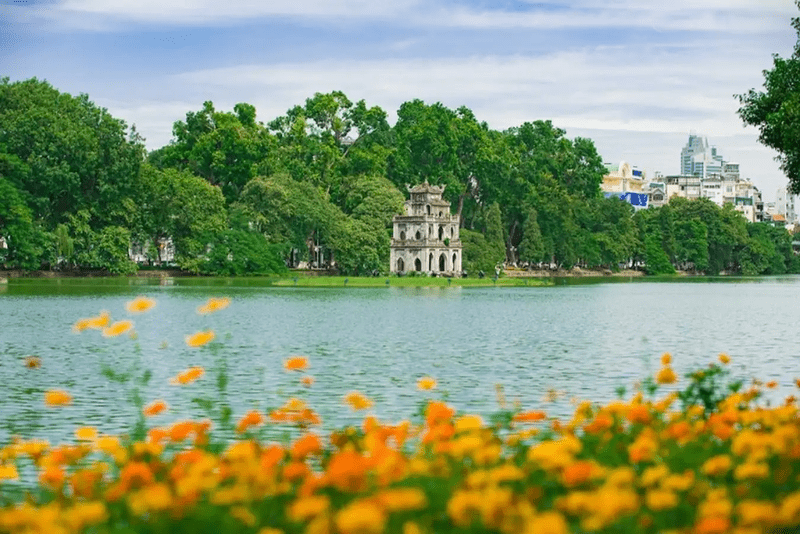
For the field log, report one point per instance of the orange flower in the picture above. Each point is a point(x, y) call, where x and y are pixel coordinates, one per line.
point(252, 418)
point(666, 358)
point(33, 362)
point(529, 417)
point(199, 339)
point(426, 383)
point(307, 380)
point(154, 408)
point(724, 358)
point(438, 412)
point(96, 323)
point(305, 445)
point(772, 384)
point(120, 327)
point(140, 304)
point(296, 363)
point(188, 376)
point(56, 397)
point(666, 376)
point(214, 304)
point(357, 401)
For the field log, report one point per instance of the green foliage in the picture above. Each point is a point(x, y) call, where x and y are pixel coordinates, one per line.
point(531, 248)
point(479, 254)
point(708, 387)
point(775, 111)
point(65, 154)
point(106, 249)
point(240, 252)
point(656, 259)
point(27, 245)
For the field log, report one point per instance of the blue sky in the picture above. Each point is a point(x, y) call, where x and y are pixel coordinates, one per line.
point(636, 76)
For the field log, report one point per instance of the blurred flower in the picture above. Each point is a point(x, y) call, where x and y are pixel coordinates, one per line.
point(426, 383)
point(120, 327)
point(666, 358)
point(140, 304)
point(529, 417)
point(199, 339)
point(724, 358)
point(154, 408)
point(305, 445)
point(85, 433)
point(772, 384)
point(307, 380)
point(251, 418)
point(214, 304)
point(8, 472)
point(57, 397)
point(188, 376)
point(296, 363)
point(33, 362)
point(357, 400)
point(361, 517)
point(96, 323)
point(666, 376)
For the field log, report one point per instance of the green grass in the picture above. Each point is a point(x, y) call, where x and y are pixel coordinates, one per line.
point(405, 281)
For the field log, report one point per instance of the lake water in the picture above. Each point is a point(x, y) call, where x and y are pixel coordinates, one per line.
point(582, 339)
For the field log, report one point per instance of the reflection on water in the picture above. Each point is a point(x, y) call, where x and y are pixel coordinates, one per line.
point(584, 339)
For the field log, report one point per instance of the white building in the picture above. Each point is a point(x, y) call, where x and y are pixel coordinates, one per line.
point(786, 203)
point(426, 239)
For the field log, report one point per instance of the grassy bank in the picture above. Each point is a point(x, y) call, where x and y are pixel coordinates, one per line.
point(407, 281)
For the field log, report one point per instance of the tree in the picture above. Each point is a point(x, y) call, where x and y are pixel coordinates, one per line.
point(776, 110)
point(222, 147)
point(27, 245)
point(177, 205)
point(64, 154)
point(531, 248)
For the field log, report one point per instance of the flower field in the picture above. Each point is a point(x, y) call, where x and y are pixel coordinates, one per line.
point(702, 453)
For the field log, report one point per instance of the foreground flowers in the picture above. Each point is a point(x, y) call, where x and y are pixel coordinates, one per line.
point(709, 458)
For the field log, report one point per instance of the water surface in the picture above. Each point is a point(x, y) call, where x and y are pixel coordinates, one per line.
point(584, 339)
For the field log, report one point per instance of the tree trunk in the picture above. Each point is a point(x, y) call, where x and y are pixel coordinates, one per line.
point(510, 256)
point(460, 205)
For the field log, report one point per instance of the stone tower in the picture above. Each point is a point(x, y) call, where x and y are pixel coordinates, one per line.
point(426, 238)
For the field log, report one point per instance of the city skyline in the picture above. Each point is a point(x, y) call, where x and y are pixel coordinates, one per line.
point(636, 79)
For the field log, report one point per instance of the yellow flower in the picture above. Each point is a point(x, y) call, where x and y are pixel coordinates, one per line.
point(120, 327)
point(8, 472)
point(357, 401)
point(717, 465)
point(85, 433)
point(96, 323)
point(140, 304)
point(402, 499)
point(213, 305)
point(360, 517)
point(751, 470)
point(549, 523)
point(243, 514)
point(666, 358)
point(33, 362)
point(426, 383)
point(153, 498)
point(199, 339)
point(724, 358)
point(307, 381)
point(306, 508)
point(666, 376)
point(658, 499)
point(57, 397)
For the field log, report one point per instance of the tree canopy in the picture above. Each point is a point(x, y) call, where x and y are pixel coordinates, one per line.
point(775, 111)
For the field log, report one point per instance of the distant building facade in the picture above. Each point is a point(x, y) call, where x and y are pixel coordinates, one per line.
point(698, 158)
point(426, 238)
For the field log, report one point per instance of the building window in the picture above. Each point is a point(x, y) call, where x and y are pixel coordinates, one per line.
point(402, 235)
point(417, 265)
point(401, 266)
point(441, 233)
point(418, 236)
point(442, 261)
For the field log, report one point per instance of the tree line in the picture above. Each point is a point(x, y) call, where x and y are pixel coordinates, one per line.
point(239, 196)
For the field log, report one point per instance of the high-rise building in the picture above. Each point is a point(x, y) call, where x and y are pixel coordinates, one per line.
point(698, 158)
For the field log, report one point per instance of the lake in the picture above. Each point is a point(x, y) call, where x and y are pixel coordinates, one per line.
point(582, 339)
